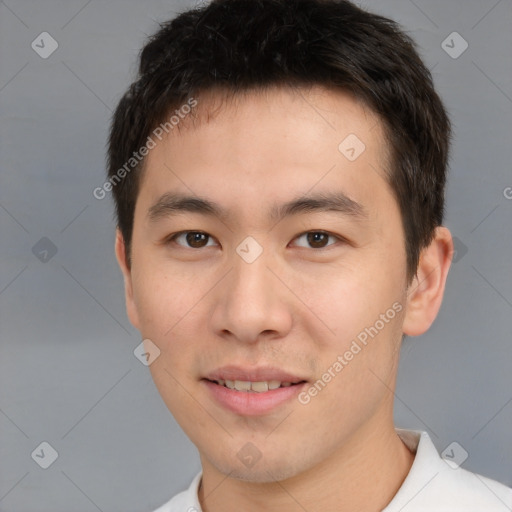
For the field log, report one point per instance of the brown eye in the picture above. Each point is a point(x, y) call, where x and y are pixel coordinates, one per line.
point(192, 239)
point(196, 239)
point(316, 240)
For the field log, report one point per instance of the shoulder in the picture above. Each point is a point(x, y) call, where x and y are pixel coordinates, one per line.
point(434, 483)
point(465, 490)
point(186, 501)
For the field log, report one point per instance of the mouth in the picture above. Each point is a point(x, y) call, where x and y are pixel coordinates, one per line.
point(252, 392)
point(246, 386)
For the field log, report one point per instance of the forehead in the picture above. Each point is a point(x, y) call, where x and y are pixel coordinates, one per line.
point(270, 145)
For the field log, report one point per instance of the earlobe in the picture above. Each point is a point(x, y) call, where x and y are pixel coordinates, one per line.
point(121, 256)
point(425, 293)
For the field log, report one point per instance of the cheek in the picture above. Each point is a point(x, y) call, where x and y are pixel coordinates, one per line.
point(346, 299)
point(356, 368)
point(363, 305)
point(171, 312)
point(162, 296)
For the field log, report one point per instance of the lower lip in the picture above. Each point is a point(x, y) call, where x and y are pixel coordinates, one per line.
point(250, 403)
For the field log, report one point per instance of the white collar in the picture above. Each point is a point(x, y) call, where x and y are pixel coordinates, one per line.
point(431, 485)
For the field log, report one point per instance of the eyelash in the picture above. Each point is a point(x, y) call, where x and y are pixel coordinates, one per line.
point(172, 238)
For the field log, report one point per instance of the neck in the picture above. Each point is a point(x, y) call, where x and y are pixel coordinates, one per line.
point(362, 475)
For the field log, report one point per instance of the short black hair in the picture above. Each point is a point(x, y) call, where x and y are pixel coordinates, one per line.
point(240, 45)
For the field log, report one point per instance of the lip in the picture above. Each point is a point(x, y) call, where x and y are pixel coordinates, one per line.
point(252, 403)
point(263, 373)
point(249, 403)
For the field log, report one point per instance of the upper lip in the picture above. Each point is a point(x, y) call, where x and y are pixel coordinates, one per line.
point(259, 374)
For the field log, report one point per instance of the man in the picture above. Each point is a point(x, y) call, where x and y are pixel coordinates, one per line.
point(278, 169)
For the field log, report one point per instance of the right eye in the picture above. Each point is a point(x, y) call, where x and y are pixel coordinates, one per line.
point(192, 239)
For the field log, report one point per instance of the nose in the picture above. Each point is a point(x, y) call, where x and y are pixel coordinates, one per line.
point(251, 303)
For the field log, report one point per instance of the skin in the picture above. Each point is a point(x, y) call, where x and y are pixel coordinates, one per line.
point(296, 307)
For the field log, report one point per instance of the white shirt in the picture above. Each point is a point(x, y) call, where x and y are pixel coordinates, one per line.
point(433, 484)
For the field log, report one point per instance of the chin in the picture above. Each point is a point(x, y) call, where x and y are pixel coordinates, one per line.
point(262, 472)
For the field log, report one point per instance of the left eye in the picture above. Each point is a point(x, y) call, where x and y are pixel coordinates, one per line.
point(315, 239)
point(193, 239)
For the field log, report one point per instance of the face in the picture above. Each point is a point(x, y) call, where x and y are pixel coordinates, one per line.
point(268, 248)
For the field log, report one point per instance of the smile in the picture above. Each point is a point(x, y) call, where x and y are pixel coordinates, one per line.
point(248, 398)
point(253, 387)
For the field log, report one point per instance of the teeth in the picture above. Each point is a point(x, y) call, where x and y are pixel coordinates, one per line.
point(242, 385)
point(257, 387)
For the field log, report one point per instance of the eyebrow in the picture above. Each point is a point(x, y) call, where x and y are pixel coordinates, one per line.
point(171, 203)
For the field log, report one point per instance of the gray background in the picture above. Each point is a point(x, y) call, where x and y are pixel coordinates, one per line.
point(68, 375)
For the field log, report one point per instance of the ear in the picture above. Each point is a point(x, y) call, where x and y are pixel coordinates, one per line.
point(131, 307)
point(425, 293)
